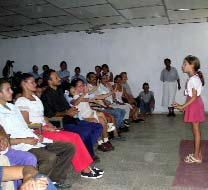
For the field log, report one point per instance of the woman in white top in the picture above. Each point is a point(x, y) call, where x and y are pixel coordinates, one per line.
point(193, 107)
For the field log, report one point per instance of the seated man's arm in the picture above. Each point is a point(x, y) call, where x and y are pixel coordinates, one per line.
point(28, 140)
point(18, 172)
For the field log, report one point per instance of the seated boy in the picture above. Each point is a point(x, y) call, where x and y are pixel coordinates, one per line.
point(146, 100)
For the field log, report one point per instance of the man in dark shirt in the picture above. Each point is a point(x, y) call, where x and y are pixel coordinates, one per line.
point(55, 104)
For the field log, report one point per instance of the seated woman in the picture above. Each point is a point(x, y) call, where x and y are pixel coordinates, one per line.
point(146, 100)
point(81, 101)
point(32, 110)
point(120, 93)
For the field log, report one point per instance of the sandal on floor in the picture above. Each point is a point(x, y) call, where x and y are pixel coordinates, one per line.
point(190, 159)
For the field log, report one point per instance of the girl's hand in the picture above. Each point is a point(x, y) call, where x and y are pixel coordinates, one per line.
point(178, 106)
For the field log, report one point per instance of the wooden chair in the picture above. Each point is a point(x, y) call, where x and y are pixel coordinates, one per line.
point(37, 126)
point(57, 119)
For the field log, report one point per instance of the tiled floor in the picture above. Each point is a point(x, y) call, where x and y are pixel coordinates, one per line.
point(147, 160)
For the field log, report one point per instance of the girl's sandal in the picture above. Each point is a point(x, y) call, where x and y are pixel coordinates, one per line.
point(190, 159)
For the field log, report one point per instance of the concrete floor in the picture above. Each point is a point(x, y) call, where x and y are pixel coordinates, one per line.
point(147, 160)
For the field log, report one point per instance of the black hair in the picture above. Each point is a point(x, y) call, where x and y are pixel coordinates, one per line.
point(145, 84)
point(117, 77)
point(74, 82)
point(45, 67)
point(62, 63)
point(47, 75)
point(88, 74)
point(23, 77)
point(98, 67)
point(106, 66)
point(167, 60)
point(34, 66)
point(37, 79)
point(77, 68)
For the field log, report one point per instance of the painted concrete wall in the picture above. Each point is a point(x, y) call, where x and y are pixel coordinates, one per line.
point(139, 51)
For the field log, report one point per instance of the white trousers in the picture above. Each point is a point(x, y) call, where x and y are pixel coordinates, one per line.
point(169, 93)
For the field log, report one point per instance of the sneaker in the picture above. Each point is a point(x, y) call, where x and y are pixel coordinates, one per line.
point(126, 123)
point(98, 170)
point(103, 147)
point(91, 175)
point(111, 127)
point(109, 145)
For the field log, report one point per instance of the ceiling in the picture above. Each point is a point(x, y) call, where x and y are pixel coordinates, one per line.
point(21, 18)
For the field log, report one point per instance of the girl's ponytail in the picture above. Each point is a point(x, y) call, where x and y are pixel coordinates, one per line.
point(200, 74)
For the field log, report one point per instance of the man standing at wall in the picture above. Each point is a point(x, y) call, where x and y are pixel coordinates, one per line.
point(169, 77)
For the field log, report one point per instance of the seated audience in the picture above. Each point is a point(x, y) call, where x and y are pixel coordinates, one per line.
point(81, 101)
point(31, 179)
point(106, 71)
point(106, 87)
point(53, 156)
point(55, 104)
point(78, 76)
point(146, 100)
point(44, 68)
point(63, 73)
point(120, 93)
point(32, 110)
point(118, 113)
point(34, 72)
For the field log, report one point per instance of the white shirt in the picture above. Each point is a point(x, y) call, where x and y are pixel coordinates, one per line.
point(104, 90)
point(84, 107)
point(14, 124)
point(193, 82)
point(34, 108)
point(169, 76)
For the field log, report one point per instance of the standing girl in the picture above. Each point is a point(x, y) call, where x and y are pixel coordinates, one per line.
point(194, 107)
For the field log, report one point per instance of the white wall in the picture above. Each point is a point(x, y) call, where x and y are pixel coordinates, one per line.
point(139, 51)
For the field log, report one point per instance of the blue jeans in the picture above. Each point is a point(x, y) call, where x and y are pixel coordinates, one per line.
point(50, 184)
point(88, 131)
point(144, 107)
point(118, 114)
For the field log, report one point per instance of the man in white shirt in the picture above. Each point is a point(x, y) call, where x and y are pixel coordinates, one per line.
point(53, 157)
point(169, 77)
